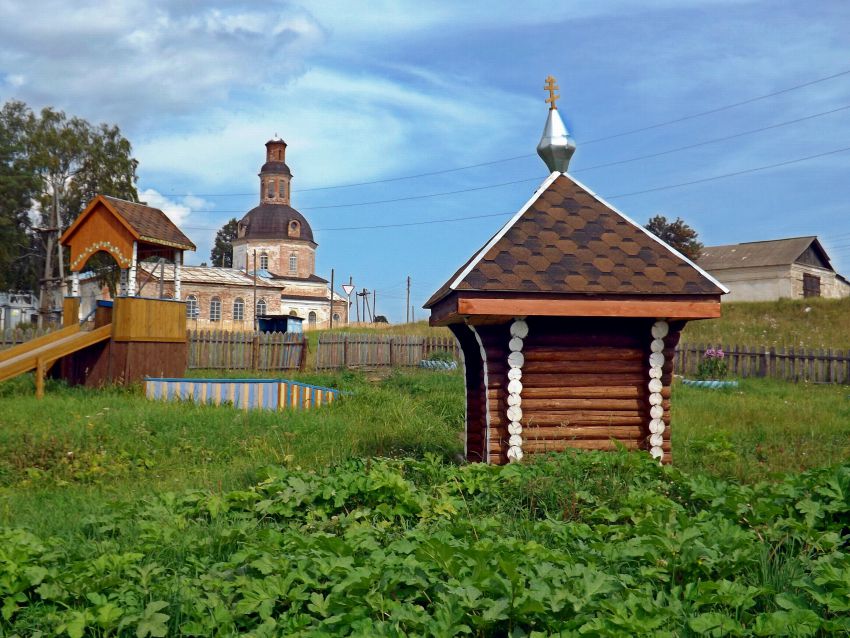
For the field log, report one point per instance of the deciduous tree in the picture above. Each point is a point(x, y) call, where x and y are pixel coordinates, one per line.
point(18, 186)
point(677, 234)
point(71, 161)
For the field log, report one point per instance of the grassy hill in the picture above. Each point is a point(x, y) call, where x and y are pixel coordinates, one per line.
point(807, 323)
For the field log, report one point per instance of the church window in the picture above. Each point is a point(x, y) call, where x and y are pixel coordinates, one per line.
point(311, 319)
point(192, 310)
point(281, 188)
point(270, 188)
point(293, 263)
point(215, 309)
point(261, 307)
point(336, 317)
point(264, 262)
point(292, 313)
point(294, 229)
point(238, 309)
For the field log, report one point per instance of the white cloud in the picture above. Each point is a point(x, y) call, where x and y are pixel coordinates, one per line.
point(351, 133)
point(136, 60)
point(177, 211)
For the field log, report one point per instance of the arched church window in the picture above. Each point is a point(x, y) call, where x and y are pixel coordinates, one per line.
point(294, 229)
point(264, 261)
point(281, 188)
point(192, 310)
point(293, 263)
point(292, 313)
point(311, 319)
point(215, 309)
point(261, 307)
point(336, 317)
point(238, 309)
point(270, 188)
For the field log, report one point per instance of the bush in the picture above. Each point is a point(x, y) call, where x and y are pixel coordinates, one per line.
point(713, 365)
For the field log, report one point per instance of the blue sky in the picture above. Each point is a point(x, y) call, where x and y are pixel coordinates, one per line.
point(371, 91)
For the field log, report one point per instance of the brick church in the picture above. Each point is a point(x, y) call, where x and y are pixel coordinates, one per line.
point(286, 281)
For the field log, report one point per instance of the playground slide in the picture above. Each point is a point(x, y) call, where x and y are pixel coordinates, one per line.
point(42, 352)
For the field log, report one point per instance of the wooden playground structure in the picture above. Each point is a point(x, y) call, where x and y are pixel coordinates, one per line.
point(132, 337)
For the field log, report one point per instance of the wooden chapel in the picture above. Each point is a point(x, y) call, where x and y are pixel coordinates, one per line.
point(567, 319)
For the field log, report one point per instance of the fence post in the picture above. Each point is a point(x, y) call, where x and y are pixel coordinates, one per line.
point(255, 350)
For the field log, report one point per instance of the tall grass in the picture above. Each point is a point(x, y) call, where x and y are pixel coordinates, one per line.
point(807, 323)
point(80, 451)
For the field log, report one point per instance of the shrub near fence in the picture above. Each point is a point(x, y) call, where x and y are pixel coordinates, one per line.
point(219, 349)
point(345, 350)
point(790, 364)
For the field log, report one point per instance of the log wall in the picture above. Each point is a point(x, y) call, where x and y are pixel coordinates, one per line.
point(476, 411)
point(584, 385)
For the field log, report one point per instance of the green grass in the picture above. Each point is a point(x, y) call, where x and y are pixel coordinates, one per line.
point(126, 517)
point(783, 323)
point(760, 429)
point(78, 450)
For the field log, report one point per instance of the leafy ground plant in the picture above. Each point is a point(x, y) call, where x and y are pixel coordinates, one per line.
point(575, 544)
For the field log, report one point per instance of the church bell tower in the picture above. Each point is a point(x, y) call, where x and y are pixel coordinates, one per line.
point(275, 175)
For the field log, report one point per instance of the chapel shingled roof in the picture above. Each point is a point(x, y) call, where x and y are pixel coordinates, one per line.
point(567, 240)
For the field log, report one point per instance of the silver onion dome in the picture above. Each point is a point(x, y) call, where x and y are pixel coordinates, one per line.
point(556, 147)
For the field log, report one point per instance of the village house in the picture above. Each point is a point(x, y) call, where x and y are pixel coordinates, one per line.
point(791, 268)
point(273, 273)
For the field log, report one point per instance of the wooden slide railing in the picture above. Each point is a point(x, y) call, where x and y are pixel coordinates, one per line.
point(40, 354)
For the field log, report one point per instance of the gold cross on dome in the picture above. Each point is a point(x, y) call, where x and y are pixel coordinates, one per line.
point(551, 87)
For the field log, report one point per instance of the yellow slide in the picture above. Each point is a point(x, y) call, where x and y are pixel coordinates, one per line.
point(41, 353)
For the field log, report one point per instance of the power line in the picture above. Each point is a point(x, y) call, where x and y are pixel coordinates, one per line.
point(741, 172)
point(617, 196)
point(579, 170)
point(516, 157)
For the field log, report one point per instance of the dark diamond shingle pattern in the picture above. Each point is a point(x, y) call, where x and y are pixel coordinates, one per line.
point(569, 242)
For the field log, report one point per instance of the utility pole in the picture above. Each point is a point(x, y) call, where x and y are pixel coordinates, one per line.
point(256, 320)
point(331, 319)
point(407, 304)
point(374, 304)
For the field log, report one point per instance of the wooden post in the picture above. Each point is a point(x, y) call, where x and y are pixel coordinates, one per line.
point(331, 315)
point(39, 378)
point(255, 350)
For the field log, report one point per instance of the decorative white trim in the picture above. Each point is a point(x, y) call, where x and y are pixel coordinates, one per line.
point(472, 264)
point(660, 329)
point(131, 272)
point(646, 232)
point(178, 260)
point(486, 393)
point(518, 330)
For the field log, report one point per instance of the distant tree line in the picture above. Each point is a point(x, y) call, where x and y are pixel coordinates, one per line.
point(51, 166)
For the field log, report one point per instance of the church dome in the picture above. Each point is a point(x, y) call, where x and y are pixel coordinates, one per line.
point(274, 221)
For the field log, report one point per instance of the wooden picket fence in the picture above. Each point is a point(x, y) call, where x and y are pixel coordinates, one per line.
point(16, 336)
point(789, 364)
point(222, 350)
point(347, 350)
